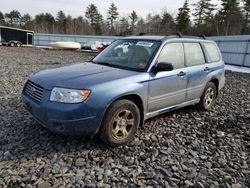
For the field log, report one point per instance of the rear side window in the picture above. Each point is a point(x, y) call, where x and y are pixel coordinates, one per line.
point(213, 54)
point(172, 53)
point(194, 54)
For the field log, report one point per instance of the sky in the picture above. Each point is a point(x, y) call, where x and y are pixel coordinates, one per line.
point(77, 7)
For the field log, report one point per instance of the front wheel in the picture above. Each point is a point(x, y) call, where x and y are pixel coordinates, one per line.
point(208, 97)
point(12, 44)
point(120, 123)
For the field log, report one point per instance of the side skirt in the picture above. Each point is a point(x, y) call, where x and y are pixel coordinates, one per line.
point(171, 108)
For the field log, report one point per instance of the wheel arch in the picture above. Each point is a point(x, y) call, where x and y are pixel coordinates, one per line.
point(18, 42)
point(135, 98)
point(11, 41)
point(216, 83)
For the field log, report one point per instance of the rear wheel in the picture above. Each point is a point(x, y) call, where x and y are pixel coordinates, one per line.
point(120, 123)
point(208, 97)
point(18, 44)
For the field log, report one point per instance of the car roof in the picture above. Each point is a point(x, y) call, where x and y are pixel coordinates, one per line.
point(169, 37)
point(147, 37)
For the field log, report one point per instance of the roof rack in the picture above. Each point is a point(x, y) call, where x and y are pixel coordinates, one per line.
point(178, 34)
point(203, 36)
point(142, 34)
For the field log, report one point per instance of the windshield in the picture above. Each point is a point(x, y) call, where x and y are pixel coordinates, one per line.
point(128, 54)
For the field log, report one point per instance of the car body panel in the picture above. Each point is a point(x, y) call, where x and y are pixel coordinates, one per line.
point(166, 89)
point(196, 81)
point(103, 93)
point(79, 76)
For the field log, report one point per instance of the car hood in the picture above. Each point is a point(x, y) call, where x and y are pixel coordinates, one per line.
point(79, 76)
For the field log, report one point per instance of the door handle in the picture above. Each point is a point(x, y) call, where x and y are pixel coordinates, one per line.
point(181, 74)
point(207, 69)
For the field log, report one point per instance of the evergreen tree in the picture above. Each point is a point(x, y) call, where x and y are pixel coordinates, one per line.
point(133, 17)
point(202, 12)
point(246, 9)
point(45, 23)
point(140, 26)
point(183, 18)
point(61, 22)
point(230, 17)
point(69, 25)
point(167, 24)
point(148, 25)
point(1, 18)
point(156, 27)
point(50, 22)
point(95, 18)
point(124, 27)
point(81, 26)
point(26, 21)
point(13, 18)
point(112, 16)
point(26, 18)
point(39, 20)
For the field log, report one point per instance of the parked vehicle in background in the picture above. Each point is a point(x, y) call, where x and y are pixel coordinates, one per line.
point(116, 92)
point(65, 45)
point(95, 46)
point(91, 46)
point(10, 36)
point(105, 45)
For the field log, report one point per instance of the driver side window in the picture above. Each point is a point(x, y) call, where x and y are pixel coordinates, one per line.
point(172, 53)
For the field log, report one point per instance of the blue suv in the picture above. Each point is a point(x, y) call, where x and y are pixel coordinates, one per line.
point(133, 79)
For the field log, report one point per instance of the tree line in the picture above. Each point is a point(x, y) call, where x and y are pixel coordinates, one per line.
point(232, 17)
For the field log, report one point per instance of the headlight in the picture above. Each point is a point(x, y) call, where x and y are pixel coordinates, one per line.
point(69, 95)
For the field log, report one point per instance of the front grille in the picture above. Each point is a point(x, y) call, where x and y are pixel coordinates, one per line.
point(34, 91)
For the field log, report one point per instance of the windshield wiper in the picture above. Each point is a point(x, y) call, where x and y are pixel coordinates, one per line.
point(92, 61)
point(100, 63)
point(106, 64)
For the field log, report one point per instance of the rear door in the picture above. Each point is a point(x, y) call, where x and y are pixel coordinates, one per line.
point(197, 70)
point(168, 88)
point(30, 38)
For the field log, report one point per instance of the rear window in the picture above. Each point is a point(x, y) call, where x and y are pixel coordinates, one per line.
point(213, 54)
point(194, 54)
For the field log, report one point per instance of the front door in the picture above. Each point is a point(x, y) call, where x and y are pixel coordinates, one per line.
point(168, 88)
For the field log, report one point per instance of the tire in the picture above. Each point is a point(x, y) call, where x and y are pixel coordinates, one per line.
point(12, 44)
point(18, 44)
point(208, 97)
point(120, 123)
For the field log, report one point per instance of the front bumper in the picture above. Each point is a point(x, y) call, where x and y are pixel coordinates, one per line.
point(67, 119)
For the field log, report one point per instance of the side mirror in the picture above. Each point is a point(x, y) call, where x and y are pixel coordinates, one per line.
point(163, 66)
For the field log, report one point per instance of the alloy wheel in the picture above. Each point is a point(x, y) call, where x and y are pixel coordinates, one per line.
point(209, 97)
point(122, 124)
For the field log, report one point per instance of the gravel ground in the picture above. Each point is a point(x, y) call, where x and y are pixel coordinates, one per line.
point(184, 148)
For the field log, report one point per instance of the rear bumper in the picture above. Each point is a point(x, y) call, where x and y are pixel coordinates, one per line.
point(67, 119)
